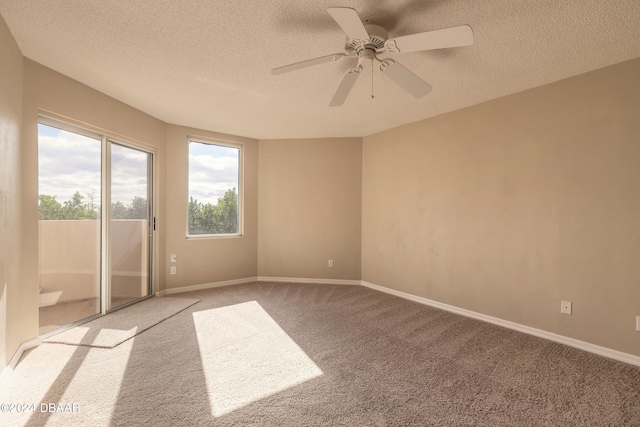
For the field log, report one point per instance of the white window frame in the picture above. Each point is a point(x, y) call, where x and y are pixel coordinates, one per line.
point(220, 143)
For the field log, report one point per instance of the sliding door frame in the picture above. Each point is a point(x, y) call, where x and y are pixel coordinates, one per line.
point(107, 139)
point(106, 224)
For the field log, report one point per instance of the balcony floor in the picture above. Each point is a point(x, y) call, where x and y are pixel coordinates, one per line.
point(58, 315)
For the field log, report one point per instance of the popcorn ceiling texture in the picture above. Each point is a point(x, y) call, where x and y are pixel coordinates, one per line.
point(206, 64)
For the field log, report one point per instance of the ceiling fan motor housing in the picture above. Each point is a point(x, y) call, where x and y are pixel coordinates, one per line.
point(377, 36)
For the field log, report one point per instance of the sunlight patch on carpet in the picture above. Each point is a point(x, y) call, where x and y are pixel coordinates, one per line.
point(99, 397)
point(65, 374)
point(246, 356)
point(47, 368)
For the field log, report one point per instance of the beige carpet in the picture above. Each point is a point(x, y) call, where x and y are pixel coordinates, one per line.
point(117, 327)
point(272, 354)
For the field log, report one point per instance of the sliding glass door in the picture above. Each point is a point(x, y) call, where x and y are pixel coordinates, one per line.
point(95, 224)
point(69, 214)
point(131, 227)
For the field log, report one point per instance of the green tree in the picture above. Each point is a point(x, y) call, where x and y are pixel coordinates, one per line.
point(221, 218)
point(207, 218)
point(91, 204)
point(76, 209)
point(119, 210)
point(48, 207)
point(138, 208)
point(227, 212)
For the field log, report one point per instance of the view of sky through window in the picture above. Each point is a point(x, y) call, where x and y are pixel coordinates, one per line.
point(68, 163)
point(213, 169)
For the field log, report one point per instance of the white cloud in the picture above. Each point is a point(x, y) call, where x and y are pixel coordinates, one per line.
point(69, 162)
point(128, 174)
point(213, 169)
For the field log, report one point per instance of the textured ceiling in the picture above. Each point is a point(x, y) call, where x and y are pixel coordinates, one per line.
point(206, 63)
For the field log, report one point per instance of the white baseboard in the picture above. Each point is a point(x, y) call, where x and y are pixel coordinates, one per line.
point(255, 279)
point(582, 345)
point(308, 280)
point(27, 345)
point(572, 342)
point(202, 286)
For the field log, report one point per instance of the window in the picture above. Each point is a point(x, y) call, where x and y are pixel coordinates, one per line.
point(214, 189)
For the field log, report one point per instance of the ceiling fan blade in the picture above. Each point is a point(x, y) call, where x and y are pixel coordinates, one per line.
point(307, 63)
point(349, 21)
point(345, 87)
point(438, 39)
point(405, 78)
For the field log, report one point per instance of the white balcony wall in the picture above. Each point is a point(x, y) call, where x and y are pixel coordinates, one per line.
point(69, 254)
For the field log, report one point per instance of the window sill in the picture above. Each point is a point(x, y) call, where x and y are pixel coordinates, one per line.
point(213, 236)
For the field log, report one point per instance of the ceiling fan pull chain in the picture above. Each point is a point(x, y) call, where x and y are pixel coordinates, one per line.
point(372, 78)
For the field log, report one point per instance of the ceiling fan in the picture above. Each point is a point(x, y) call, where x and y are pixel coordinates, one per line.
point(366, 41)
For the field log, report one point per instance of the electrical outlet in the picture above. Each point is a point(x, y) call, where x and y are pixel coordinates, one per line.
point(174, 257)
point(330, 263)
point(565, 307)
point(638, 323)
point(173, 270)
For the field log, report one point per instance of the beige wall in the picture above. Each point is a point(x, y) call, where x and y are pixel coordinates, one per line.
point(507, 207)
point(207, 260)
point(49, 92)
point(13, 300)
point(309, 204)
